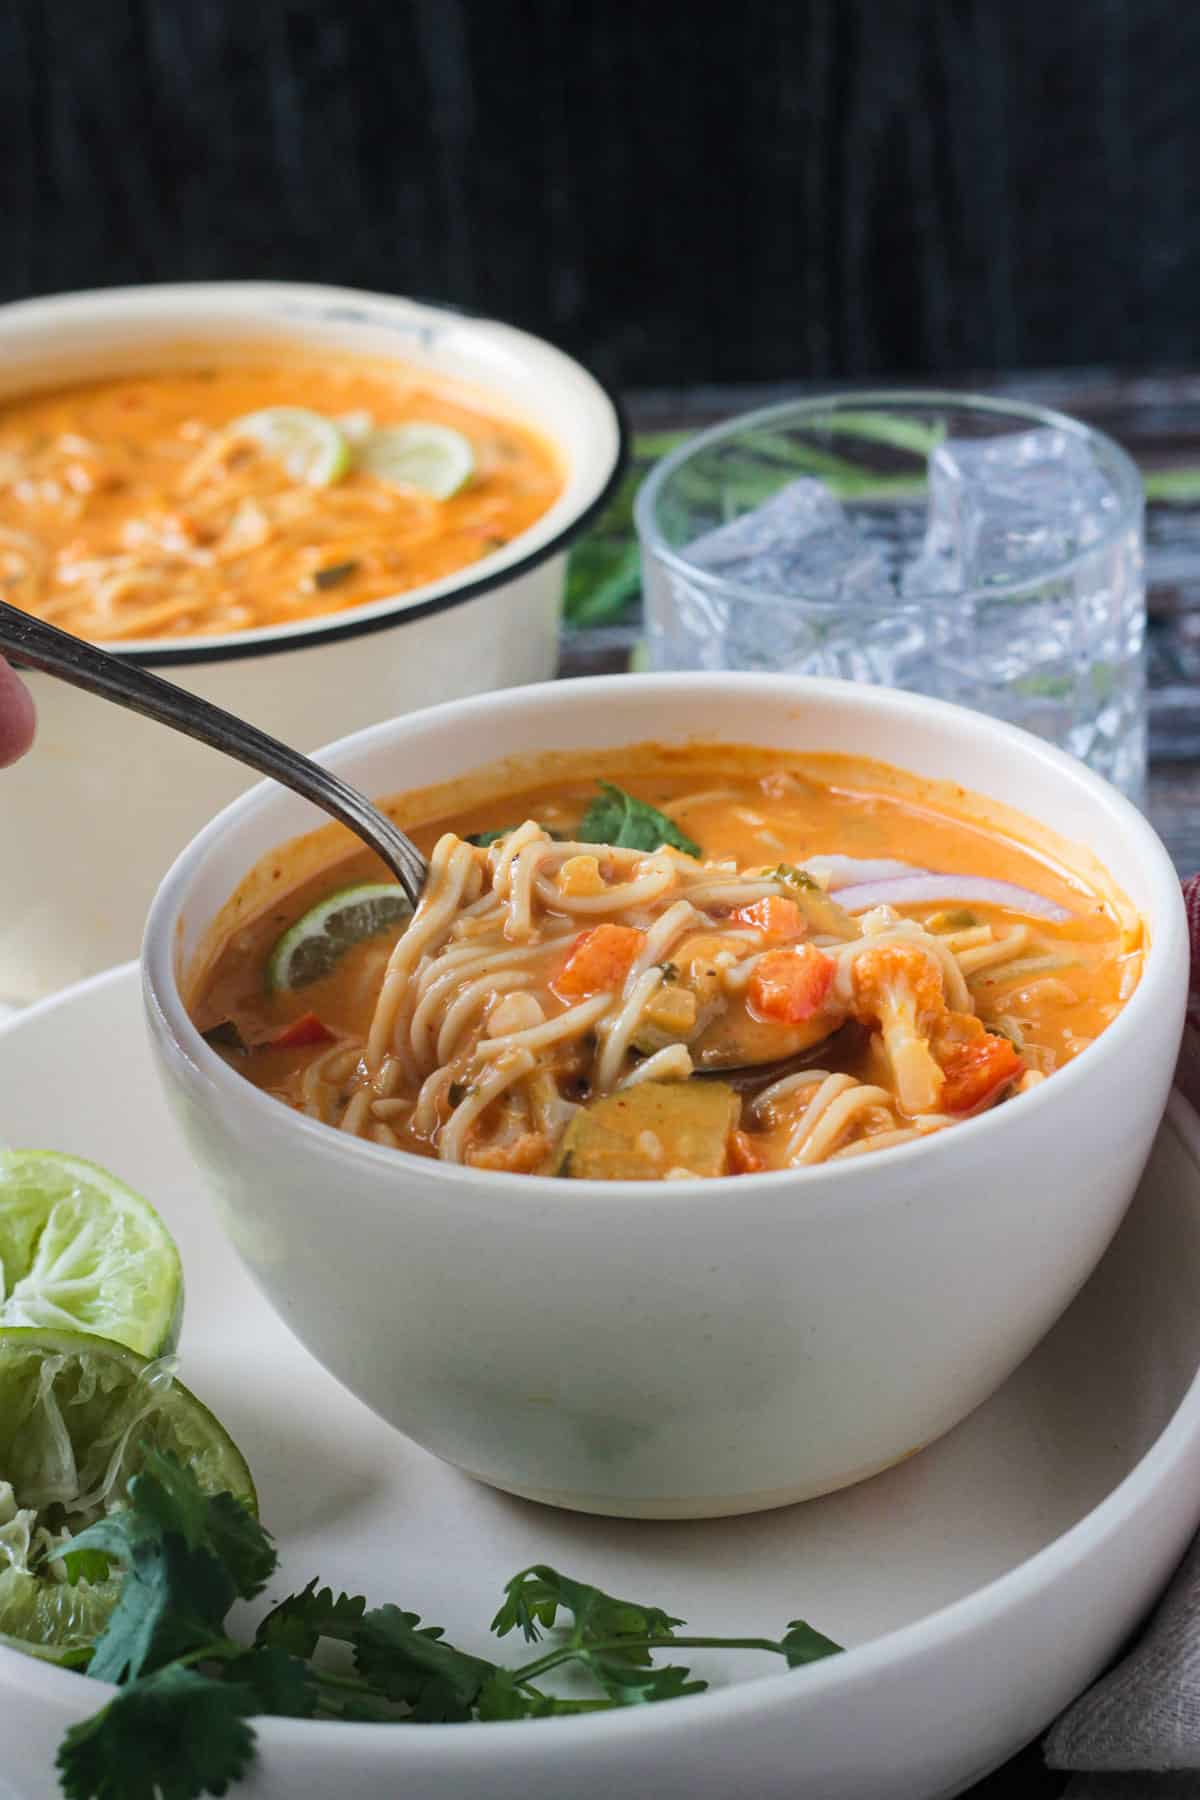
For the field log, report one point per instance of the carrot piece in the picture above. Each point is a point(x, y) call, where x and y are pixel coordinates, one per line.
point(791, 985)
point(307, 1029)
point(976, 1071)
point(743, 1157)
point(774, 915)
point(598, 960)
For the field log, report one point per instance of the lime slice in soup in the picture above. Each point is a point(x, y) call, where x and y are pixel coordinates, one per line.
point(355, 426)
point(314, 943)
point(82, 1252)
point(310, 446)
point(434, 458)
point(77, 1415)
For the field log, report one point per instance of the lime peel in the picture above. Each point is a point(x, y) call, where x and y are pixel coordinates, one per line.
point(81, 1251)
point(310, 948)
point(310, 446)
point(76, 1413)
point(434, 458)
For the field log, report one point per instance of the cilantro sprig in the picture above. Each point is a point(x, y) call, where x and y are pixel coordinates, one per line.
point(615, 817)
point(179, 1725)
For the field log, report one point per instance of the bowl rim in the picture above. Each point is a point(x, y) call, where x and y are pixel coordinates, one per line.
point(836, 1184)
point(373, 615)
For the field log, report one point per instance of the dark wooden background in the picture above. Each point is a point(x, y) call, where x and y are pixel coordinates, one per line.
point(678, 192)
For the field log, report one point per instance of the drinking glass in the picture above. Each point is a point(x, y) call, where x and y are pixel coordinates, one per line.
point(981, 551)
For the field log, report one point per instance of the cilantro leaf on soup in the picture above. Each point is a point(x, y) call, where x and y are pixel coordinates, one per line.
point(615, 817)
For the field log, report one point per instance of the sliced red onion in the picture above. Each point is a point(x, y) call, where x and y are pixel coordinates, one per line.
point(921, 890)
point(834, 872)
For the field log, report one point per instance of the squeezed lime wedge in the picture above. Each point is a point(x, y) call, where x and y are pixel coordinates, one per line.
point(314, 943)
point(77, 1414)
point(80, 1251)
point(434, 458)
point(310, 446)
point(57, 1621)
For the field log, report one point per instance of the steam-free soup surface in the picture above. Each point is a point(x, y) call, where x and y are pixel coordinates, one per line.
point(611, 990)
point(135, 508)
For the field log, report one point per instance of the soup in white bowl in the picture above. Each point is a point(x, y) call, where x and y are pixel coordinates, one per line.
point(696, 1346)
point(779, 961)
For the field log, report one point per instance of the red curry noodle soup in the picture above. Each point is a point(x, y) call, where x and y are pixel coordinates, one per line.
point(247, 493)
point(734, 961)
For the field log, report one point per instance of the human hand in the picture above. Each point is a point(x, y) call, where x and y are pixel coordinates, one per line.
point(16, 716)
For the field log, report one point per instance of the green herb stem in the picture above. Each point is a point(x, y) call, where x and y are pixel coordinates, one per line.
point(220, 1650)
point(179, 1723)
point(350, 1684)
point(622, 1646)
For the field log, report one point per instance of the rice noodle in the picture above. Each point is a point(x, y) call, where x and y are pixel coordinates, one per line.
point(990, 955)
point(508, 1069)
point(619, 1029)
point(571, 1024)
point(671, 1063)
point(493, 1021)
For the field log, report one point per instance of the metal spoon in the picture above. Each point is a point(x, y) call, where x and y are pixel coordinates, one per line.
point(844, 1042)
point(36, 645)
point(43, 647)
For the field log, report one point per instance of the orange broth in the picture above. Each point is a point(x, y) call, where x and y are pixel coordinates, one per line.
point(130, 510)
point(757, 809)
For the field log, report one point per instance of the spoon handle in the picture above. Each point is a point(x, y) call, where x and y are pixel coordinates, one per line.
point(40, 646)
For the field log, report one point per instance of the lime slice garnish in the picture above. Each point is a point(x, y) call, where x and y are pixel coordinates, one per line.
point(310, 446)
point(355, 426)
point(80, 1251)
point(314, 943)
point(76, 1416)
point(434, 458)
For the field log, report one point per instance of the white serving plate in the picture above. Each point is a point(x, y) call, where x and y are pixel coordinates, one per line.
point(980, 1585)
point(792, 1334)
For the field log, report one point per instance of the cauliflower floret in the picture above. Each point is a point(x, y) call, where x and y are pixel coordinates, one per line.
point(898, 987)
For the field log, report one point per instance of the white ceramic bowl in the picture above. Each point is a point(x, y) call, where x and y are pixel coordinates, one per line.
point(491, 626)
point(694, 1348)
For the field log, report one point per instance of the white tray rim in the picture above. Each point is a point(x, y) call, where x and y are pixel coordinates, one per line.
point(936, 1633)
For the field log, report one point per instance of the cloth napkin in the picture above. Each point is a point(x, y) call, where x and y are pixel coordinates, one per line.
point(1136, 1734)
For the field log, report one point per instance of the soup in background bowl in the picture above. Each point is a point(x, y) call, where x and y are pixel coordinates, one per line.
point(265, 486)
point(697, 1346)
point(311, 597)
